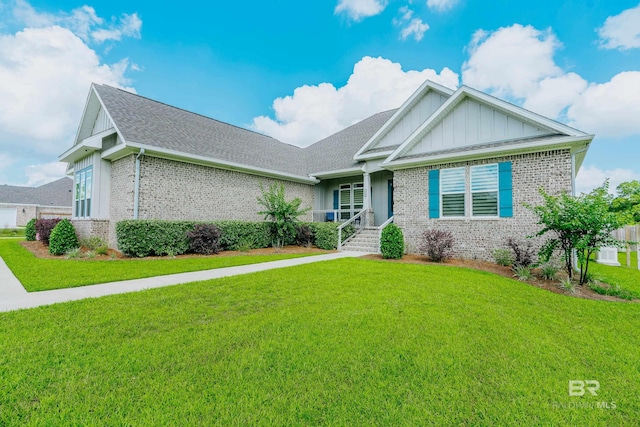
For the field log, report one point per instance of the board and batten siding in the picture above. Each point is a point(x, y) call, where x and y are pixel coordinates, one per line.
point(412, 120)
point(102, 122)
point(471, 123)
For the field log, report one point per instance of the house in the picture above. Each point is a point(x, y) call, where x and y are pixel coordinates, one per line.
point(457, 160)
point(20, 204)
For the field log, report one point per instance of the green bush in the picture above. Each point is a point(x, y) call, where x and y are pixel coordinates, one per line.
point(63, 238)
point(392, 242)
point(325, 234)
point(503, 257)
point(30, 230)
point(140, 238)
point(234, 235)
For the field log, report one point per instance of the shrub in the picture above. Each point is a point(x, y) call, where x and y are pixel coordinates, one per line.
point(549, 271)
point(72, 253)
point(237, 235)
point(567, 286)
point(90, 254)
point(95, 243)
point(503, 257)
point(142, 238)
point(30, 230)
point(392, 242)
point(63, 237)
point(522, 273)
point(325, 234)
point(437, 245)
point(523, 254)
point(304, 235)
point(44, 228)
point(204, 239)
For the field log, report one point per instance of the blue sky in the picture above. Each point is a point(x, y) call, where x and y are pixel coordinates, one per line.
point(302, 70)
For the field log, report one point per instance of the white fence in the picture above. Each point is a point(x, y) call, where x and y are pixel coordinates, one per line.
point(630, 233)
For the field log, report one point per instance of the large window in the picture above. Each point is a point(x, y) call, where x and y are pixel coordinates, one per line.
point(83, 184)
point(484, 190)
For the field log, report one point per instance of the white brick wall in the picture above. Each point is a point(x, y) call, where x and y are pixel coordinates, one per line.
point(477, 238)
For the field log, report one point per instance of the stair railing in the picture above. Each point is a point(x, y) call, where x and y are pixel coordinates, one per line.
point(359, 221)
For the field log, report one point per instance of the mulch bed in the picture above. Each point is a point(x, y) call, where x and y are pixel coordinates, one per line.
point(41, 251)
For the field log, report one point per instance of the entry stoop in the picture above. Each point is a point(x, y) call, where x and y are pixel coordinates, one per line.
point(365, 240)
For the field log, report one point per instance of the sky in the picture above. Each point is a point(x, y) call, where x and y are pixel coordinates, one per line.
point(302, 70)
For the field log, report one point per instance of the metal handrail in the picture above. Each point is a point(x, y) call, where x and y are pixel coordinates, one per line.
point(349, 221)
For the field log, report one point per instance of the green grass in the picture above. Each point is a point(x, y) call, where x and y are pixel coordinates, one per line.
point(346, 342)
point(37, 274)
point(11, 232)
point(627, 278)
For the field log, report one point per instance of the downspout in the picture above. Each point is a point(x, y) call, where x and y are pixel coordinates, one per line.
point(136, 188)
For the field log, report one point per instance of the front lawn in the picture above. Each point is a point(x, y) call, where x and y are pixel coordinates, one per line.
point(345, 342)
point(37, 274)
point(626, 277)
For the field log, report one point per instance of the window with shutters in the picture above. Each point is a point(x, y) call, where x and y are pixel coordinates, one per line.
point(484, 190)
point(452, 190)
point(351, 199)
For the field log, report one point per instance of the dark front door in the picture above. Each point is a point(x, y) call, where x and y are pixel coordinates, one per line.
point(390, 198)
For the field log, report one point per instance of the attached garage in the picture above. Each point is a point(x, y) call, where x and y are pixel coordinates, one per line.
point(8, 217)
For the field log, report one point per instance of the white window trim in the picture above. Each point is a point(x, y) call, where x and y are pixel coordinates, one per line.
point(468, 194)
point(75, 202)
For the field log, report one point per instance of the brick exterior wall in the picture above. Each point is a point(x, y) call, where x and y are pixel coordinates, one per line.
point(173, 190)
point(477, 238)
point(86, 228)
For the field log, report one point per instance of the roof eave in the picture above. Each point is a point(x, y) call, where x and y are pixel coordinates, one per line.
point(574, 143)
point(124, 149)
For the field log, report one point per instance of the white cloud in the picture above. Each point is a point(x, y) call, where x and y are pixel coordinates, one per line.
point(621, 31)
point(441, 5)
point(410, 26)
point(357, 10)
point(554, 94)
point(82, 21)
point(314, 112)
point(45, 74)
point(590, 177)
point(611, 108)
point(511, 61)
point(42, 174)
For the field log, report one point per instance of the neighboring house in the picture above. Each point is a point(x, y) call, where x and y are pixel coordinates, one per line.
point(20, 204)
point(459, 160)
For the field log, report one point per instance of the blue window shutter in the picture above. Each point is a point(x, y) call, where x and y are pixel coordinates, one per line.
point(335, 199)
point(505, 187)
point(434, 193)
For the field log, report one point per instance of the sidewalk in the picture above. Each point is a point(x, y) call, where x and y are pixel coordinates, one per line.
point(14, 297)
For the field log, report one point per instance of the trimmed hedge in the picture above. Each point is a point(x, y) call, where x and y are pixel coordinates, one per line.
point(392, 242)
point(30, 230)
point(140, 238)
point(63, 238)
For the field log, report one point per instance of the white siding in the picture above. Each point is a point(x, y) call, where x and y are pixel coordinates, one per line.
point(471, 123)
point(417, 115)
point(102, 122)
point(8, 217)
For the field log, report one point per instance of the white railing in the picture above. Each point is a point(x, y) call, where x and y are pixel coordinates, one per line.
point(333, 215)
point(381, 227)
point(359, 221)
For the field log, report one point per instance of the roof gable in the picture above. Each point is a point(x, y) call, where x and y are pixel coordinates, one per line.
point(471, 119)
point(424, 101)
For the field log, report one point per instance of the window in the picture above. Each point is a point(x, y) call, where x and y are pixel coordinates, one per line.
point(488, 187)
point(484, 190)
point(83, 190)
point(351, 199)
point(452, 188)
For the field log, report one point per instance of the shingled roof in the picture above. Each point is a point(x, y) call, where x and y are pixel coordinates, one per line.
point(56, 193)
point(145, 121)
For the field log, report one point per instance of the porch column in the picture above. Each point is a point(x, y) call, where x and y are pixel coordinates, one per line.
point(367, 191)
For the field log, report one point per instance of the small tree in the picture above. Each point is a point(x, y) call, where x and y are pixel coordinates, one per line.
point(583, 223)
point(628, 201)
point(437, 244)
point(282, 215)
point(392, 242)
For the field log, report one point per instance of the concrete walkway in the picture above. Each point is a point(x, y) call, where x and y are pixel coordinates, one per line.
point(14, 297)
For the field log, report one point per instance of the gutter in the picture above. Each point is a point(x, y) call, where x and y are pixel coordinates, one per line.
point(136, 188)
